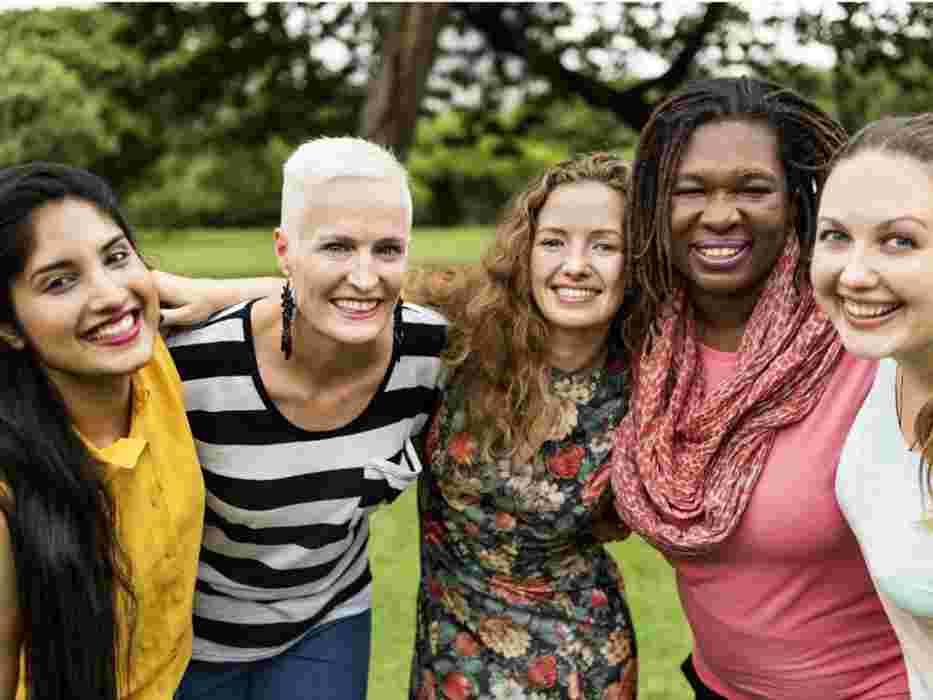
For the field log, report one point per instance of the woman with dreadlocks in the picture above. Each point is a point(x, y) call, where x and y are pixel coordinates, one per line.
point(742, 399)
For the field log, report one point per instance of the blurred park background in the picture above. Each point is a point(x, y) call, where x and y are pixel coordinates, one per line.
point(189, 109)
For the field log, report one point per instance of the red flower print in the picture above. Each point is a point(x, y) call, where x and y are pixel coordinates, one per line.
point(456, 686)
point(433, 531)
point(566, 463)
point(595, 485)
point(435, 589)
point(542, 673)
point(428, 689)
point(522, 592)
point(505, 521)
point(599, 598)
point(430, 442)
point(466, 644)
point(462, 448)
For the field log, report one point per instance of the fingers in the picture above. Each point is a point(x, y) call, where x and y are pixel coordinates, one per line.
point(180, 317)
point(175, 290)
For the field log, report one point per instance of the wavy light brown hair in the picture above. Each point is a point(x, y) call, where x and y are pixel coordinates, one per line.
point(807, 139)
point(498, 338)
point(904, 137)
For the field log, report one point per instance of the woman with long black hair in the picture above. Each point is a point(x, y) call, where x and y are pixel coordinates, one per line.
point(102, 496)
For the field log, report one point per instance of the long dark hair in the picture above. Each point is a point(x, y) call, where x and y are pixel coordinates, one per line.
point(904, 137)
point(69, 563)
point(807, 138)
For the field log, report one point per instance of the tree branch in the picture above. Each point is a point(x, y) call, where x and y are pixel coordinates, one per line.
point(632, 105)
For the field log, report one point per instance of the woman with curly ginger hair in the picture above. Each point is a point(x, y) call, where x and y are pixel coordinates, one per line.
point(518, 595)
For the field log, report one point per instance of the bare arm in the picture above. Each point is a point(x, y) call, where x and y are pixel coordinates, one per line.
point(11, 632)
point(187, 300)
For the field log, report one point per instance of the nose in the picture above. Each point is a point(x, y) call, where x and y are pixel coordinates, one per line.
point(107, 291)
point(362, 273)
point(576, 262)
point(719, 213)
point(858, 272)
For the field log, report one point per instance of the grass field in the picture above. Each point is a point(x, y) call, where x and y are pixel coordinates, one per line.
point(663, 638)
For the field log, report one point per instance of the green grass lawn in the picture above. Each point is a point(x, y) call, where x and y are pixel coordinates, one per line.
point(663, 638)
point(248, 252)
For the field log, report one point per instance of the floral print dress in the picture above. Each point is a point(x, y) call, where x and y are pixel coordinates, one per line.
point(517, 600)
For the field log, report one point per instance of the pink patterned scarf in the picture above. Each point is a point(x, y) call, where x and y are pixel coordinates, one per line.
point(686, 459)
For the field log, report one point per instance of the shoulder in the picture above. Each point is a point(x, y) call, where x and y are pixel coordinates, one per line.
point(227, 325)
point(424, 331)
point(202, 349)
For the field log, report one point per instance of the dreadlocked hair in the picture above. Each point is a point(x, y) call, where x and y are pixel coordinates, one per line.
point(909, 137)
point(807, 139)
point(498, 339)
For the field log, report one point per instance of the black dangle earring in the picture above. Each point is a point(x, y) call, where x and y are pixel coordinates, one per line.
point(288, 313)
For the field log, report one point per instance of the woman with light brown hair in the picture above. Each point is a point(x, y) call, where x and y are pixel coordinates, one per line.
point(872, 275)
point(517, 593)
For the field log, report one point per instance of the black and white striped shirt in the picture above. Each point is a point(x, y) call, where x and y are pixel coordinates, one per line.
point(286, 526)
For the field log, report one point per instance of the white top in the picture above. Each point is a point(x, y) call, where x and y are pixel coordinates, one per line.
point(878, 485)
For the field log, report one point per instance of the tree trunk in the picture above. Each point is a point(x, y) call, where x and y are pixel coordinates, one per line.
point(393, 96)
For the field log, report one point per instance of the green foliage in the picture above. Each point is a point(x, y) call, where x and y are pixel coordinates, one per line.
point(56, 78)
point(190, 108)
point(462, 177)
point(239, 186)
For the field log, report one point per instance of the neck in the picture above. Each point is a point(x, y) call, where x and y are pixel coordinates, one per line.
point(916, 389)
point(101, 410)
point(721, 320)
point(573, 351)
point(318, 361)
point(917, 372)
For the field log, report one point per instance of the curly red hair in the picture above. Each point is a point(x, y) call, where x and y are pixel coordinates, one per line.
point(498, 338)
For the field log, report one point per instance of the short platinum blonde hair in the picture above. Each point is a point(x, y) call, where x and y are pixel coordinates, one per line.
point(327, 158)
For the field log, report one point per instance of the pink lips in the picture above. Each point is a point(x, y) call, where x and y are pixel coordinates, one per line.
point(721, 264)
point(123, 338)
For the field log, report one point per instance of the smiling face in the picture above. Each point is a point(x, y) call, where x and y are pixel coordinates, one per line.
point(576, 258)
point(348, 261)
point(729, 210)
point(85, 302)
point(872, 268)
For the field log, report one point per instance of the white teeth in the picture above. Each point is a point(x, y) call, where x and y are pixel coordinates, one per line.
point(719, 252)
point(862, 310)
point(112, 330)
point(575, 294)
point(356, 304)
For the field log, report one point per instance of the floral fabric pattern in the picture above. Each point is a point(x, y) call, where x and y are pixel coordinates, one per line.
point(517, 599)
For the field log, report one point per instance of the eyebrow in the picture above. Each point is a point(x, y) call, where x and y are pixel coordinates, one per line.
point(746, 173)
point(61, 264)
point(593, 232)
point(882, 224)
point(343, 238)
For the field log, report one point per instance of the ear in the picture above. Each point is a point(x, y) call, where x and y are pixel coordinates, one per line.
point(281, 244)
point(11, 336)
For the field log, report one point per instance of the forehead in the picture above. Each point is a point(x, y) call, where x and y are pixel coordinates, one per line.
point(874, 186)
point(727, 145)
point(355, 206)
point(587, 204)
point(68, 228)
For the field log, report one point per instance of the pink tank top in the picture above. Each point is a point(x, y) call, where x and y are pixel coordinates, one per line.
point(785, 608)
